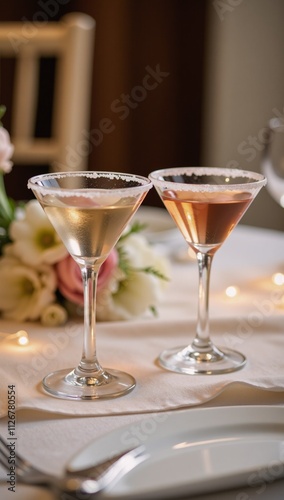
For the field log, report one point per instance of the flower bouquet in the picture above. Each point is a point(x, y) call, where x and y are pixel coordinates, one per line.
point(40, 281)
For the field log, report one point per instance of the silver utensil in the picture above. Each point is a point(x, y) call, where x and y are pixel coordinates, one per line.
point(85, 483)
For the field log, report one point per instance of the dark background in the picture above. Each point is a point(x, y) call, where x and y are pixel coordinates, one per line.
point(164, 129)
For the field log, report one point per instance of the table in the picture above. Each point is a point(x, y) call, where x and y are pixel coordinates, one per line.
point(49, 435)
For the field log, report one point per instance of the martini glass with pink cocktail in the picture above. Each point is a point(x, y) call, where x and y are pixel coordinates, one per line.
point(206, 204)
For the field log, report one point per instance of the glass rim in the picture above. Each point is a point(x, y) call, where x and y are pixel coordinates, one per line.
point(144, 182)
point(257, 179)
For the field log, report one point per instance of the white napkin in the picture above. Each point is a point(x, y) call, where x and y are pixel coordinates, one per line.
point(134, 348)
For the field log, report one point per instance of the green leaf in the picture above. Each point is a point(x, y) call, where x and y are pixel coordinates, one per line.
point(123, 261)
point(7, 205)
point(153, 311)
point(136, 227)
point(155, 272)
point(4, 238)
point(2, 112)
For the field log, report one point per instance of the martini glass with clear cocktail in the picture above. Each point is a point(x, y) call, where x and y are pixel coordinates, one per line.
point(206, 204)
point(89, 211)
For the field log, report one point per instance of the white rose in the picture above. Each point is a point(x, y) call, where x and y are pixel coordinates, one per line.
point(6, 151)
point(54, 315)
point(131, 295)
point(25, 291)
point(35, 241)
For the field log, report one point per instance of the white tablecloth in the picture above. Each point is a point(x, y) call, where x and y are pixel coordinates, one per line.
point(50, 431)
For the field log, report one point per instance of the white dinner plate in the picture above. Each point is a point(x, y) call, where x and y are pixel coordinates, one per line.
point(194, 451)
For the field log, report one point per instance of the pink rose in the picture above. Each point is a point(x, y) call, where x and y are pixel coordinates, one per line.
point(6, 151)
point(70, 280)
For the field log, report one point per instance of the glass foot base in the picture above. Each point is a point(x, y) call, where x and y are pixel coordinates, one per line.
point(193, 361)
point(66, 384)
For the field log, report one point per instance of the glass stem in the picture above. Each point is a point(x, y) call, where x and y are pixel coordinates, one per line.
point(89, 362)
point(202, 339)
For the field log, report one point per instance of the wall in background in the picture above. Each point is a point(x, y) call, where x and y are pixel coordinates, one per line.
point(244, 88)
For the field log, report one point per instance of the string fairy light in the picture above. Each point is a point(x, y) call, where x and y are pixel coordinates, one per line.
point(232, 291)
point(21, 337)
point(278, 279)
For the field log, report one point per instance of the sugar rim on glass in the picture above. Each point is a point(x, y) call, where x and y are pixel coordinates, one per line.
point(258, 180)
point(145, 183)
